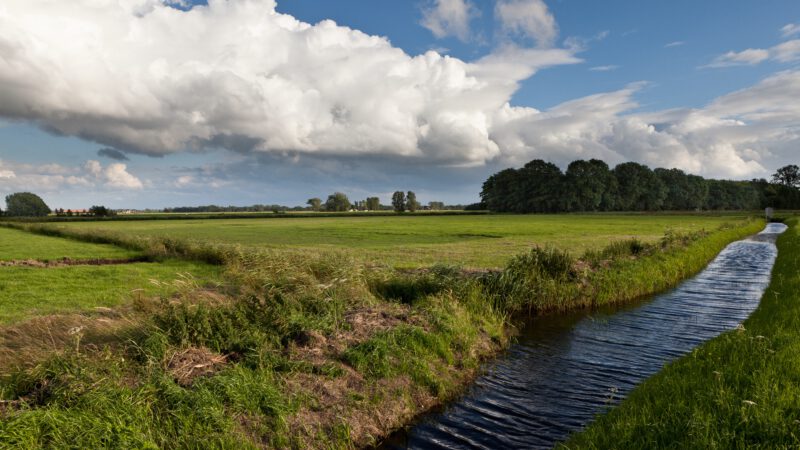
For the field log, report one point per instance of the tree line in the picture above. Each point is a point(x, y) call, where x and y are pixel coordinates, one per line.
point(541, 187)
point(401, 202)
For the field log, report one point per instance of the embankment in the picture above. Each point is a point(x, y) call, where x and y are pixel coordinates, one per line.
point(740, 390)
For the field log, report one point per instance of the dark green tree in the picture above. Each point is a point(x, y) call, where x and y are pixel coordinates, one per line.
point(399, 201)
point(26, 204)
point(373, 203)
point(502, 192)
point(787, 176)
point(315, 203)
point(541, 187)
point(436, 206)
point(100, 211)
point(588, 183)
point(411, 201)
point(639, 188)
point(337, 202)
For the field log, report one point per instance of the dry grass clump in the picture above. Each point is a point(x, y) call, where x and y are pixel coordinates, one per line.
point(191, 363)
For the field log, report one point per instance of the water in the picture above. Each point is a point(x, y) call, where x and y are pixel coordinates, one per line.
point(565, 370)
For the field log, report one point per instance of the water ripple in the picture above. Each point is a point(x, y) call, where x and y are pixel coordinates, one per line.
point(567, 369)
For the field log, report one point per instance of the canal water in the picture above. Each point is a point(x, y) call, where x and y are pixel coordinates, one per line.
point(564, 370)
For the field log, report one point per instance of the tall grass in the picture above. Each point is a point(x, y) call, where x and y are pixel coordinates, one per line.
point(547, 279)
point(740, 390)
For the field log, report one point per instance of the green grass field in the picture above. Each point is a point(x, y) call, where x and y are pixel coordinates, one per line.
point(26, 292)
point(487, 241)
point(298, 348)
point(19, 245)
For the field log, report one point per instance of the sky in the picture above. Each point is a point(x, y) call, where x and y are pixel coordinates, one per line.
point(159, 103)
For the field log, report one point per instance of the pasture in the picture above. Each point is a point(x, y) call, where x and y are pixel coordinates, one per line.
point(412, 241)
point(284, 344)
point(18, 245)
point(34, 281)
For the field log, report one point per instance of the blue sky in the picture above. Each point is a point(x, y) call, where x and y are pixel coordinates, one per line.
point(248, 101)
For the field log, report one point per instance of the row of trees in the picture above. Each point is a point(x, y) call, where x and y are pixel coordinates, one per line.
point(27, 204)
point(401, 202)
point(591, 185)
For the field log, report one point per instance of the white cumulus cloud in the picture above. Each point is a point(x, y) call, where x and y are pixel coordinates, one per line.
point(449, 18)
point(138, 75)
point(141, 76)
point(529, 18)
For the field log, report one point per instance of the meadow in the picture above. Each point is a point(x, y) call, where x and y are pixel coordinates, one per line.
point(35, 279)
point(19, 245)
point(290, 346)
point(412, 241)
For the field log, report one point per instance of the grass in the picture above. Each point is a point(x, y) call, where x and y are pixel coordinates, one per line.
point(304, 349)
point(411, 241)
point(740, 390)
point(18, 245)
point(27, 292)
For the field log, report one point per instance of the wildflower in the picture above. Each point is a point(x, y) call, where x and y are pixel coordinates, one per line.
point(75, 330)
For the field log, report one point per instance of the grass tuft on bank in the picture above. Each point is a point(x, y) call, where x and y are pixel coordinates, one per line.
point(740, 390)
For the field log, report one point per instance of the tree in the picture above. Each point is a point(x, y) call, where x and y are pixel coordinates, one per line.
point(315, 203)
point(639, 188)
point(100, 211)
point(787, 176)
point(26, 204)
point(541, 187)
point(399, 201)
point(436, 206)
point(501, 192)
point(411, 201)
point(337, 202)
point(589, 182)
point(373, 203)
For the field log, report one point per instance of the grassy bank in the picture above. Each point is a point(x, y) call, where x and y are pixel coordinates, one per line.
point(300, 350)
point(740, 390)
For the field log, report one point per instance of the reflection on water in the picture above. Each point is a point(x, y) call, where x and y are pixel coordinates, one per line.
point(564, 370)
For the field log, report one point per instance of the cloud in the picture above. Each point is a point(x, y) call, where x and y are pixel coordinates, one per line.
point(751, 56)
point(528, 18)
point(785, 52)
point(449, 18)
point(112, 153)
point(674, 44)
point(603, 68)
point(50, 178)
point(140, 76)
point(738, 135)
point(790, 30)
point(116, 175)
point(6, 173)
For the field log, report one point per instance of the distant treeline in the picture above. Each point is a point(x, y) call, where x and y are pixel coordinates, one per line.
point(356, 206)
point(591, 185)
point(229, 209)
